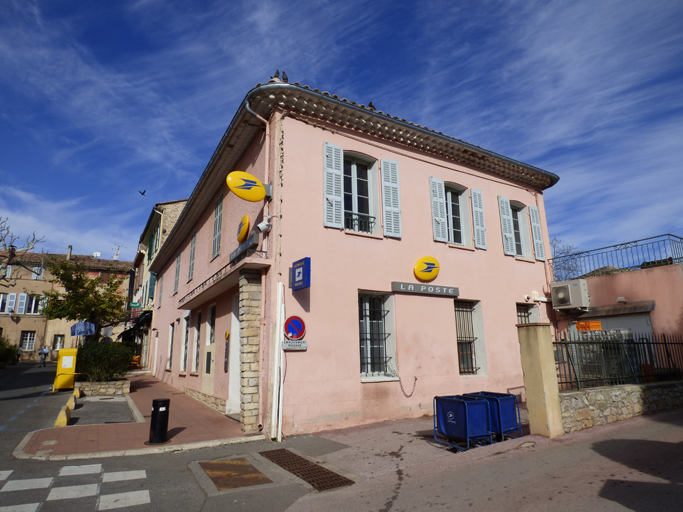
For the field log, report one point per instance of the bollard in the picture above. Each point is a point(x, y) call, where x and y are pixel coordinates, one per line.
point(158, 428)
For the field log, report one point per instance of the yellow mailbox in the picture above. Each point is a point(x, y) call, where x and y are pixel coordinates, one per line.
point(66, 369)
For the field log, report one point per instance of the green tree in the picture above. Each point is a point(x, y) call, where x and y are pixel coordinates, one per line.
point(96, 300)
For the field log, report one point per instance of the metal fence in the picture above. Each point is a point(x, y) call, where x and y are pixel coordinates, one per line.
point(649, 252)
point(609, 358)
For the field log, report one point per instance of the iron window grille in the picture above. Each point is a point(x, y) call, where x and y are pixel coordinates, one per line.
point(523, 314)
point(464, 327)
point(373, 336)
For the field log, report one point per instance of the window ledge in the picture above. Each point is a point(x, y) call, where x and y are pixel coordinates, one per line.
point(463, 247)
point(214, 257)
point(527, 260)
point(167, 370)
point(182, 374)
point(379, 378)
point(360, 233)
point(194, 374)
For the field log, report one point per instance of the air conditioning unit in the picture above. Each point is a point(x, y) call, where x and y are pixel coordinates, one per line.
point(570, 295)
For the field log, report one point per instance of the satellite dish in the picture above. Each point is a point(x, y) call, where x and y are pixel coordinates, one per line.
point(96, 254)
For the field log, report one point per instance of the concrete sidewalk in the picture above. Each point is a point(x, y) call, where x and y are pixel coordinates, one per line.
point(191, 425)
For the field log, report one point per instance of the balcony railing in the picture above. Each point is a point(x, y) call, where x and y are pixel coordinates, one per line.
point(649, 252)
point(359, 222)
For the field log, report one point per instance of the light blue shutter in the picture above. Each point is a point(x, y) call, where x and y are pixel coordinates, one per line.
point(177, 273)
point(8, 272)
point(217, 225)
point(37, 273)
point(506, 226)
point(479, 220)
point(192, 246)
point(21, 305)
point(391, 198)
point(537, 233)
point(438, 198)
point(334, 188)
point(11, 302)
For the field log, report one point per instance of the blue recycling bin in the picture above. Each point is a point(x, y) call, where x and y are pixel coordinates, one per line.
point(504, 410)
point(461, 419)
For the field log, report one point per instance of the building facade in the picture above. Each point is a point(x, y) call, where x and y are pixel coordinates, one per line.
point(21, 318)
point(358, 200)
point(159, 225)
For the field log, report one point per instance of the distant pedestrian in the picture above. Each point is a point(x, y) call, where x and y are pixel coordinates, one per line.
point(19, 352)
point(43, 352)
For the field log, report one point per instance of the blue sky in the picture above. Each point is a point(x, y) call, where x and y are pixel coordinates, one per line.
point(101, 99)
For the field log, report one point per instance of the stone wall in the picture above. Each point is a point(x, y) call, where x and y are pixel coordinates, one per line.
point(250, 330)
point(110, 388)
point(217, 404)
point(599, 406)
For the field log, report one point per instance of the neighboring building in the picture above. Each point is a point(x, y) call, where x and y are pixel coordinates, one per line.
point(160, 223)
point(364, 195)
point(633, 288)
point(21, 320)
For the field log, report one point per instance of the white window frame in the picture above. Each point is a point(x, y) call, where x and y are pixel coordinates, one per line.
point(197, 342)
point(217, 226)
point(390, 371)
point(193, 243)
point(58, 342)
point(161, 289)
point(211, 325)
point(185, 352)
point(177, 273)
point(28, 340)
point(169, 358)
point(516, 241)
point(354, 160)
point(33, 305)
point(479, 344)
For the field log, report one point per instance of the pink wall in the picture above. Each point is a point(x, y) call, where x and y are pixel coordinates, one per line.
point(664, 285)
point(323, 388)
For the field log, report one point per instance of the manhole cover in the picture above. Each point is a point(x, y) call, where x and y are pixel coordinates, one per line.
point(319, 477)
point(233, 474)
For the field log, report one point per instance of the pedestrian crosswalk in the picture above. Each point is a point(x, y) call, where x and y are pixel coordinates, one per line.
point(19, 494)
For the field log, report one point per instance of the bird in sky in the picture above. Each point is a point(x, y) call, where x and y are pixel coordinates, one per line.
point(284, 77)
point(372, 107)
point(277, 74)
point(142, 193)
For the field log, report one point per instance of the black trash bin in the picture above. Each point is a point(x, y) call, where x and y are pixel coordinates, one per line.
point(158, 429)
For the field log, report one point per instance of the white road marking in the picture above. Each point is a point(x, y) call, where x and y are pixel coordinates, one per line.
point(120, 476)
point(123, 499)
point(24, 485)
point(5, 474)
point(73, 491)
point(30, 507)
point(88, 469)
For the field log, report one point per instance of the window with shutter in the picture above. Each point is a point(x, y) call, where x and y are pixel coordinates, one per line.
point(391, 199)
point(217, 226)
point(479, 220)
point(506, 226)
point(192, 246)
point(21, 304)
point(537, 233)
point(333, 177)
point(177, 273)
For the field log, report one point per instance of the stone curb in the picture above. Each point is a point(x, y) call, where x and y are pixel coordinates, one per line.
point(18, 452)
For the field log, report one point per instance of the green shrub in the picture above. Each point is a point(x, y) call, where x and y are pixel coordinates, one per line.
point(100, 362)
point(8, 352)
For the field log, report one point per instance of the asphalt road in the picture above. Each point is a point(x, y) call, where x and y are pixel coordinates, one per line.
point(635, 465)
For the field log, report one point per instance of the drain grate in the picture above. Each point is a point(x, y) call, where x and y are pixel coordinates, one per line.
point(233, 474)
point(319, 477)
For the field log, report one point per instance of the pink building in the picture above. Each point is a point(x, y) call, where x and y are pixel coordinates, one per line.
point(364, 196)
